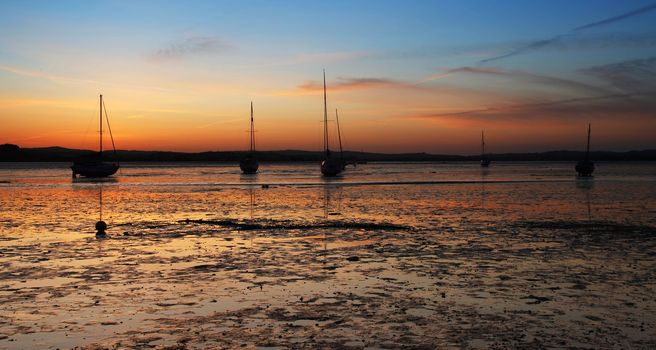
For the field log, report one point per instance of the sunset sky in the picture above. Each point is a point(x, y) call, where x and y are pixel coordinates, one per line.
point(406, 76)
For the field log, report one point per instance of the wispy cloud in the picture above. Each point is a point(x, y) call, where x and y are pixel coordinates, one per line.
point(626, 106)
point(490, 51)
point(348, 84)
point(631, 76)
point(190, 46)
point(542, 43)
point(562, 85)
point(44, 135)
point(354, 84)
point(72, 80)
point(43, 75)
point(20, 102)
point(531, 46)
point(634, 79)
point(617, 18)
point(521, 75)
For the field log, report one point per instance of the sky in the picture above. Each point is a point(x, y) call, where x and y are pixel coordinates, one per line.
point(405, 76)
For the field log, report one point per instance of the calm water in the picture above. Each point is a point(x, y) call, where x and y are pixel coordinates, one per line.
point(308, 174)
point(388, 255)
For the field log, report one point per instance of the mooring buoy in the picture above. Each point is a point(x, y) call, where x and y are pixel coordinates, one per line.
point(101, 226)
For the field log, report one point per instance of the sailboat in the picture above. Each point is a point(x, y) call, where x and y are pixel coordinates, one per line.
point(249, 164)
point(96, 167)
point(331, 165)
point(585, 167)
point(485, 161)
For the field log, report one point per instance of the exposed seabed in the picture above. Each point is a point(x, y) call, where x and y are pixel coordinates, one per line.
point(457, 266)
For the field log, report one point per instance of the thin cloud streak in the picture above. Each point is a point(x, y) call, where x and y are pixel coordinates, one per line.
point(354, 84)
point(623, 16)
point(349, 84)
point(538, 44)
point(62, 79)
point(523, 75)
point(628, 105)
point(20, 102)
point(535, 45)
point(45, 135)
point(629, 76)
point(42, 75)
point(190, 46)
point(564, 42)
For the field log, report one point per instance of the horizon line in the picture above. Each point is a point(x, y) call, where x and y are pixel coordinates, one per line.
point(345, 151)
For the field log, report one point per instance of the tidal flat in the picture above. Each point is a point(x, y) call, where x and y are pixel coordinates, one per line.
point(559, 263)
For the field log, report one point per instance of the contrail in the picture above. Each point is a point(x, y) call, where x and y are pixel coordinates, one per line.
point(617, 18)
point(537, 44)
point(534, 45)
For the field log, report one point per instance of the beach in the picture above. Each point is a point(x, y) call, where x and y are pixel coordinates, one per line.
point(389, 255)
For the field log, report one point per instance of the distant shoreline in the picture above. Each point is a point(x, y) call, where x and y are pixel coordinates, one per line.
point(13, 153)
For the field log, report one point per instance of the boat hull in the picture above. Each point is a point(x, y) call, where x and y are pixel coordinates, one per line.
point(331, 167)
point(584, 168)
point(485, 162)
point(94, 169)
point(249, 165)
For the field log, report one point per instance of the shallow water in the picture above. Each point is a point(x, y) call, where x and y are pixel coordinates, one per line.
point(389, 255)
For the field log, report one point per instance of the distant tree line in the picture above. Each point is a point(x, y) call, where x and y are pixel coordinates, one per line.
point(13, 153)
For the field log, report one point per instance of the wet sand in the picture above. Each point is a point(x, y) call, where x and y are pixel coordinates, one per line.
point(547, 265)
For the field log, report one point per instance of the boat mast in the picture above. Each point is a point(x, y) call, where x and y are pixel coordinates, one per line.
point(339, 136)
point(252, 132)
point(325, 117)
point(587, 151)
point(101, 108)
point(482, 142)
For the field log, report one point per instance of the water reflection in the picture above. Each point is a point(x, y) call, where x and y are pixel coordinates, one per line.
point(249, 178)
point(332, 206)
point(251, 195)
point(333, 179)
point(94, 180)
point(482, 194)
point(586, 185)
point(91, 188)
point(332, 197)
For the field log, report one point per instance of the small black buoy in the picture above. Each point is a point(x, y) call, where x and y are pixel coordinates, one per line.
point(101, 226)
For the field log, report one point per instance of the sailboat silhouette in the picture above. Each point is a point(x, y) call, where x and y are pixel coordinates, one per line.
point(485, 161)
point(585, 167)
point(331, 165)
point(96, 167)
point(249, 165)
